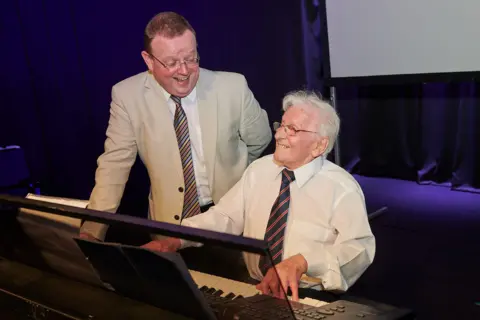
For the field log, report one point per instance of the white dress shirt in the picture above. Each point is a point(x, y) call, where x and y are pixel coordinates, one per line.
point(189, 105)
point(327, 221)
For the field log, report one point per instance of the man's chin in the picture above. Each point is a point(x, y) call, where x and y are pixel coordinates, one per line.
point(182, 91)
point(277, 158)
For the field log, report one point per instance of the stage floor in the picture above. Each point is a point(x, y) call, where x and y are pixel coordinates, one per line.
point(428, 249)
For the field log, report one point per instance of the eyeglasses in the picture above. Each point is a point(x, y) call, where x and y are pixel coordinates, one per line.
point(289, 129)
point(175, 64)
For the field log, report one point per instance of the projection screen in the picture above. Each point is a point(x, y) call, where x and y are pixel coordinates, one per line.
point(385, 38)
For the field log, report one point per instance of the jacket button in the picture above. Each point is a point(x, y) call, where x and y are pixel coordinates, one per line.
point(180, 189)
point(176, 217)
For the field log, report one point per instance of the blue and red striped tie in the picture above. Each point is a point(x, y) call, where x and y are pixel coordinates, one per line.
point(277, 222)
point(191, 206)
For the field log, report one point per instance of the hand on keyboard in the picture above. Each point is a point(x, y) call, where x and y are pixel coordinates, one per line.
point(87, 236)
point(289, 272)
point(164, 245)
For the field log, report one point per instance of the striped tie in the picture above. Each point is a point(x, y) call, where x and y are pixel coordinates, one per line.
point(277, 222)
point(191, 206)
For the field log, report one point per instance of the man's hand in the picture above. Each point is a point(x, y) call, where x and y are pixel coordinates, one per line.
point(87, 236)
point(289, 273)
point(164, 245)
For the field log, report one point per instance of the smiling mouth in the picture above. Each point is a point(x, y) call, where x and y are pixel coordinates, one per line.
point(282, 146)
point(181, 79)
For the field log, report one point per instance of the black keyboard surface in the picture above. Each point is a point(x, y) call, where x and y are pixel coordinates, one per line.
point(264, 307)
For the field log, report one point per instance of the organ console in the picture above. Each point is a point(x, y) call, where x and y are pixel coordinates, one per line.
point(230, 289)
point(48, 273)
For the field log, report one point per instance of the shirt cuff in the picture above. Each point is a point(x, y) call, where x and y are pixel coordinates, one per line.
point(320, 267)
point(316, 261)
point(187, 243)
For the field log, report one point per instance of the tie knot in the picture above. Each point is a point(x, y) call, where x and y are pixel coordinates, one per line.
point(176, 99)
point(288, 176)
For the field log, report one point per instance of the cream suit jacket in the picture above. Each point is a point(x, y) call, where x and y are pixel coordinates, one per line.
point(235, 131)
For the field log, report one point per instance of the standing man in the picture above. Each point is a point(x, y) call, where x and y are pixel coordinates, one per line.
point(195, 130)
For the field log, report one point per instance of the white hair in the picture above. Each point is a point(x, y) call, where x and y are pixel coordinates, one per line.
point(329, 126)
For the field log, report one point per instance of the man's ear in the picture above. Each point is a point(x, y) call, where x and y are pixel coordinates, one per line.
point(320, 147)
point(148, 60)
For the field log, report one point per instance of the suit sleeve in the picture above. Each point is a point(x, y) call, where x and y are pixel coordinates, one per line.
point(114, 166)
point(254, 128)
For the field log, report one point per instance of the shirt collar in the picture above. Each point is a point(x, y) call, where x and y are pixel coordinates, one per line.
point(305, 172)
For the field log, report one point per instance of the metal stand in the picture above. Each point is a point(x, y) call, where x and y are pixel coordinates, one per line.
point(336, 148)
point(333, 100)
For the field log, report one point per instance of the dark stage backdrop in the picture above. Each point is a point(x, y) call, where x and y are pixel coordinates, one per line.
point(427, 133)
point(60, 59)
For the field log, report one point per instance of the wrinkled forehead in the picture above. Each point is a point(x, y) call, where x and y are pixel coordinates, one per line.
point(302, 115)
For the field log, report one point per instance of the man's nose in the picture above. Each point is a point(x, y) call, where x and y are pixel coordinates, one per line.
point(183, 68)
point(280, 133)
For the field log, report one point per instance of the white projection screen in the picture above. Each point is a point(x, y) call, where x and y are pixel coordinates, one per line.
point(385, 38)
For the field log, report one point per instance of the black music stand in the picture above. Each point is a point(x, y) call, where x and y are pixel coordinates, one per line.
point(159, 279)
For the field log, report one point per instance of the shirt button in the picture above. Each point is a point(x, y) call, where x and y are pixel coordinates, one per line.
point(180, 189)
point(176, 217)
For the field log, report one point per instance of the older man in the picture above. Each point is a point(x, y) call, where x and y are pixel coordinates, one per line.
point(311, 212)
point(196, 130)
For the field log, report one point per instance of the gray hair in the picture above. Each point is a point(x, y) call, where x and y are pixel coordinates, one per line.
point(328, 128)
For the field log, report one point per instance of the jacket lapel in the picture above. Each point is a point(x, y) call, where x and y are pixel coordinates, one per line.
point(160, 124)
point(207, 112)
